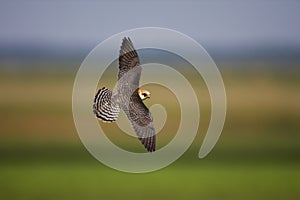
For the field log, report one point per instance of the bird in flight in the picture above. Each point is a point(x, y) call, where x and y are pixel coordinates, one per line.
point(128, 97)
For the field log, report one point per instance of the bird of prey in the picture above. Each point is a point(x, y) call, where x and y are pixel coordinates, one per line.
point(128, 96)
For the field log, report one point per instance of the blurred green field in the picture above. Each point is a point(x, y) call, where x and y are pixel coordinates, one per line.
point(257, 156)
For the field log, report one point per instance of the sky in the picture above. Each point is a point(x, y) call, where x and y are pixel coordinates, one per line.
point(79, 22)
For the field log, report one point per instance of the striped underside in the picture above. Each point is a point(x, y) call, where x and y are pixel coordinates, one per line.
point(103, 106)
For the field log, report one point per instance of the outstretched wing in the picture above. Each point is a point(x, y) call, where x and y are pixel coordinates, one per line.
point(127, 87)
point(129, 72)
point(128, 58)
point(141, 121)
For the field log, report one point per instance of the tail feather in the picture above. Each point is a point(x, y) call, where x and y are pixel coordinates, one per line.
point(103, 107)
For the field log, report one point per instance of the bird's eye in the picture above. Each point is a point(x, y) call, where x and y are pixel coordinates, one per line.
point(144, 94)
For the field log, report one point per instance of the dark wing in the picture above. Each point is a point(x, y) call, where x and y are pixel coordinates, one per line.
point(142, 122)
point(129, 72)
point(128, 84)
point(128, 58)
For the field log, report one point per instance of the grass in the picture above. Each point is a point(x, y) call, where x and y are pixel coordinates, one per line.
point(93, 181)
point(67, 171)
point(63, 170)
point(238, 168)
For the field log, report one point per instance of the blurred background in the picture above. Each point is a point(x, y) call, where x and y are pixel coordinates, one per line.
point(256, 46)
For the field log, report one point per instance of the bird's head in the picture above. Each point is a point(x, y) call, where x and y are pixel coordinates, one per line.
point(144, 94)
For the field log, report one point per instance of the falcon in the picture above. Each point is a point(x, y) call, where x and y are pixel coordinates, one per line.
point(128, 97)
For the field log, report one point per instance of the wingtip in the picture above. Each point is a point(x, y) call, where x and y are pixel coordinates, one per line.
point(151, 150)
point(148, 146)
point(125, 43)
point(126, 39)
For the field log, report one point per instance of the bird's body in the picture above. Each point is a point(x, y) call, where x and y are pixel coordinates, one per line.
point(128, 96)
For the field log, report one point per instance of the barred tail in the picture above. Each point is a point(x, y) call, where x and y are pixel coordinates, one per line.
point(103, 107)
